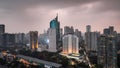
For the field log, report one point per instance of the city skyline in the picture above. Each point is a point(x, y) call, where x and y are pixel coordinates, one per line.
point(29, 15)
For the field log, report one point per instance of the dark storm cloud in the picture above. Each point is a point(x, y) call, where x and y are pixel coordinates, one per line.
point(10, 4)
point(17, 6)
point(25, 11)
point(109, 5)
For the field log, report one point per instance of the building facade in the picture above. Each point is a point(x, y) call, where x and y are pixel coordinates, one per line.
point(107, 51)
point(2, 28)
point(20, 38)
point(52, 40)
point(91, 40)
point(79, 35)
point(70, 44)
point(33, 40)
point(8, 40)
point(109, 31)
point(94, 40)
point(48, 40)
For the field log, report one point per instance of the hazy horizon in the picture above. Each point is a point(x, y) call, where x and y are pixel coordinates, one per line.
point(28, 15)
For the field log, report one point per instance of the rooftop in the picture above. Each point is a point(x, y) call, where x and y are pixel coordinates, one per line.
point(40, 61)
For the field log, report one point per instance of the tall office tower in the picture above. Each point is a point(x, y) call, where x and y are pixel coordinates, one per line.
point(34, 40)
point(88, 37)
point(107, 51)
point(56, 25)
point(68, 30)
point(91, 39)
point(70, 44)
point(2, 28)
point(78, 34)
point(20, 38)
point(52, 40)
point(88, 28)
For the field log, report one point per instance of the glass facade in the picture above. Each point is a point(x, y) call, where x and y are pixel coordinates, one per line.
point(55, 24)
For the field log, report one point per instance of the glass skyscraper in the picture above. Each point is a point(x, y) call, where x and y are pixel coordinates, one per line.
point(56, 25)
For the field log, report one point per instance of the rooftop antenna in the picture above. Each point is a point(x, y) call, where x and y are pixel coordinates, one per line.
point(56, 17)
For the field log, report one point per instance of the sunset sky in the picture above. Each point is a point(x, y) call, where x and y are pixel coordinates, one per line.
point(27, 15)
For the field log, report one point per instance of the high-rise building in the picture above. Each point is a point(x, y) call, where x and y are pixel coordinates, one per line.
point(34, 40)
point(70, 44)
point(102, 50)
point(94, 40)
point(27, 38)
point(47, 40)
point(109, 30)
point(118, 37)
point(68, 30)
point(2, 31)
point(107, 51)
point(79, 35)
point(88, 28)
point(106, 31)
point(43, 39)
point(2, 28)
point(52, 40)
point(118, 41)
point(88, 37)
point(55, 24)
point(72, 29)
point(8, 40)
point(88, 40)
point(91, 39)
point(20, 38)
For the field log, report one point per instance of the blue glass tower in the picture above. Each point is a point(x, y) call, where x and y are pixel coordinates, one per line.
point(56, 25)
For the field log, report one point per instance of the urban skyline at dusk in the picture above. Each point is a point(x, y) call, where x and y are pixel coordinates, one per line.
point(59, 33)
point(23, 16)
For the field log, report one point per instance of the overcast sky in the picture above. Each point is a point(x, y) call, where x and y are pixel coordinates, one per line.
point(26, 15)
